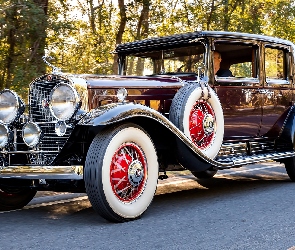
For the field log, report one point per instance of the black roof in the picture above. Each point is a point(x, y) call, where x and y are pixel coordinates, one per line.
point(187, 38)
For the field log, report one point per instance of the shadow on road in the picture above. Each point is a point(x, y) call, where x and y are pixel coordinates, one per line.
point(188, 195)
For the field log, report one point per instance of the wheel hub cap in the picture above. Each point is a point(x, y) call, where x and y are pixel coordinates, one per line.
point(135, 173)
point(208, 124)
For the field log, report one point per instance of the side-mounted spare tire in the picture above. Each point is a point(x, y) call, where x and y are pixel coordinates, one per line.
point(196, 111)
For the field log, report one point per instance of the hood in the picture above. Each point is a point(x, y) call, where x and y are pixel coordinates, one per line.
point(153, 81)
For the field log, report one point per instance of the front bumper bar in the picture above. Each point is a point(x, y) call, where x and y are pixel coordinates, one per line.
point(42, 172)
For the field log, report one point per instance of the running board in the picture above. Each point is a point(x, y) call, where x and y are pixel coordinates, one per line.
point(230, 162)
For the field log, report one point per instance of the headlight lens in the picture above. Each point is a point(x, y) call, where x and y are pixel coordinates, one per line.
point(10, 106)
point(3, 135)
point(64, 101)
point(31, 134)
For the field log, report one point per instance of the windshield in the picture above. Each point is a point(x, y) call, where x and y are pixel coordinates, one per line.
point(170, 61)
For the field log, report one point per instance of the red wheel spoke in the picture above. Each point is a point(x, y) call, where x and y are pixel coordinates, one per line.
point(128, 172)
point(124, 156)
point(120, 180)
point(118, 165)
point(128, 153)
point(201, 126)
point(122, 191)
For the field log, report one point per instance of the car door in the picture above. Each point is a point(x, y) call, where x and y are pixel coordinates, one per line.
point(240, 96)
point(277, 90)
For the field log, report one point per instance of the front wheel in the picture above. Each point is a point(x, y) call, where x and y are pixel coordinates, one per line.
point(15, 198)
point(290, 167)
point(121, 172)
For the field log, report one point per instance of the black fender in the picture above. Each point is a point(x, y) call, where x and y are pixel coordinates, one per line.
point(161, 130)
point(286, 135)
point(283, 130)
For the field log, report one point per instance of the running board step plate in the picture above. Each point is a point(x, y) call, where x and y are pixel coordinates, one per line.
point(229, 162)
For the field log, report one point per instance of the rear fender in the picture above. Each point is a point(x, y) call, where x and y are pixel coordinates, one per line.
point(286, 136)
point(284, 130)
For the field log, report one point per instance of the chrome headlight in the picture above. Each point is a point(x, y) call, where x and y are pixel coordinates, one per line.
point(64, 101)
point(4, 135)
point(11, 106)
point(31, 134)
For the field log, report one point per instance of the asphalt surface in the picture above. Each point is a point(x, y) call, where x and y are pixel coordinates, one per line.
point(247, 208)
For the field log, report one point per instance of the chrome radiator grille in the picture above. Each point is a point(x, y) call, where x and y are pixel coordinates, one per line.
point(39, 97)
point(39, 113)
point(50, 141)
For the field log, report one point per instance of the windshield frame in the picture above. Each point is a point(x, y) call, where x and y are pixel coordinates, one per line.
point(194, 55)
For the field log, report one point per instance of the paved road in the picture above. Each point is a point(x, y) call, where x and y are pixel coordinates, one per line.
point(247, 208)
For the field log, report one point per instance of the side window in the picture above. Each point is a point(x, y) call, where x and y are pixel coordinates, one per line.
point(240, 59)
point(275, 64)
point(243, 69)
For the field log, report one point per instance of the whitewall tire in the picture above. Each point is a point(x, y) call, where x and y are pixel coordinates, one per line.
point(121, 172)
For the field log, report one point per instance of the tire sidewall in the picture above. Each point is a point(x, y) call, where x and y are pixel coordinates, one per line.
point(139, 205)
point(196, 94)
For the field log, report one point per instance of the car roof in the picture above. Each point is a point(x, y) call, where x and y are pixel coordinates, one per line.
point(184, 39)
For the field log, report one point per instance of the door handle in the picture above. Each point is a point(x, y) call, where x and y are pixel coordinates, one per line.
point(260, 91)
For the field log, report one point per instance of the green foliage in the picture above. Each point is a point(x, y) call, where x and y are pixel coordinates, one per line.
point(80, 35)
point(23, 25)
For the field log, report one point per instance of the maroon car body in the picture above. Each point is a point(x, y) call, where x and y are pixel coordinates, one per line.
point(114, 136)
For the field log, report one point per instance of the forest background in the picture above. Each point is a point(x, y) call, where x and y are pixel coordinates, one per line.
point(81, 34)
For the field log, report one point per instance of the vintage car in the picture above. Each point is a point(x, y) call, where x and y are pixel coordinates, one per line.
point(168, 108)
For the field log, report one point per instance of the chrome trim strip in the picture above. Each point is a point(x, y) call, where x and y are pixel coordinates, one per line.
point(74, 172)
point(30, 152)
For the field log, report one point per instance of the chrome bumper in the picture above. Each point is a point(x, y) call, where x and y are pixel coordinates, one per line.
point(42, 172)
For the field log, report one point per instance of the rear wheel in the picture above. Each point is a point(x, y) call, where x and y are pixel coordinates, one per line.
point(290, 167)
point(15, 198)
point(121, 172)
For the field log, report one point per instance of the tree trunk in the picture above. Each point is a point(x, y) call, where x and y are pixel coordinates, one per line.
point(38, 39)
point(119, 36)
point(142, 31)
point(11, 40)
point(209, 19)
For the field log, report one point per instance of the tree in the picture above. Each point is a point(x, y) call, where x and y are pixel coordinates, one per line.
point(80, 35)
point(23, 37)
point(121, 29)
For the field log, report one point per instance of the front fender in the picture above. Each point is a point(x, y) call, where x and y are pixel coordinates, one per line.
point(188, 154)
point(114, 113)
